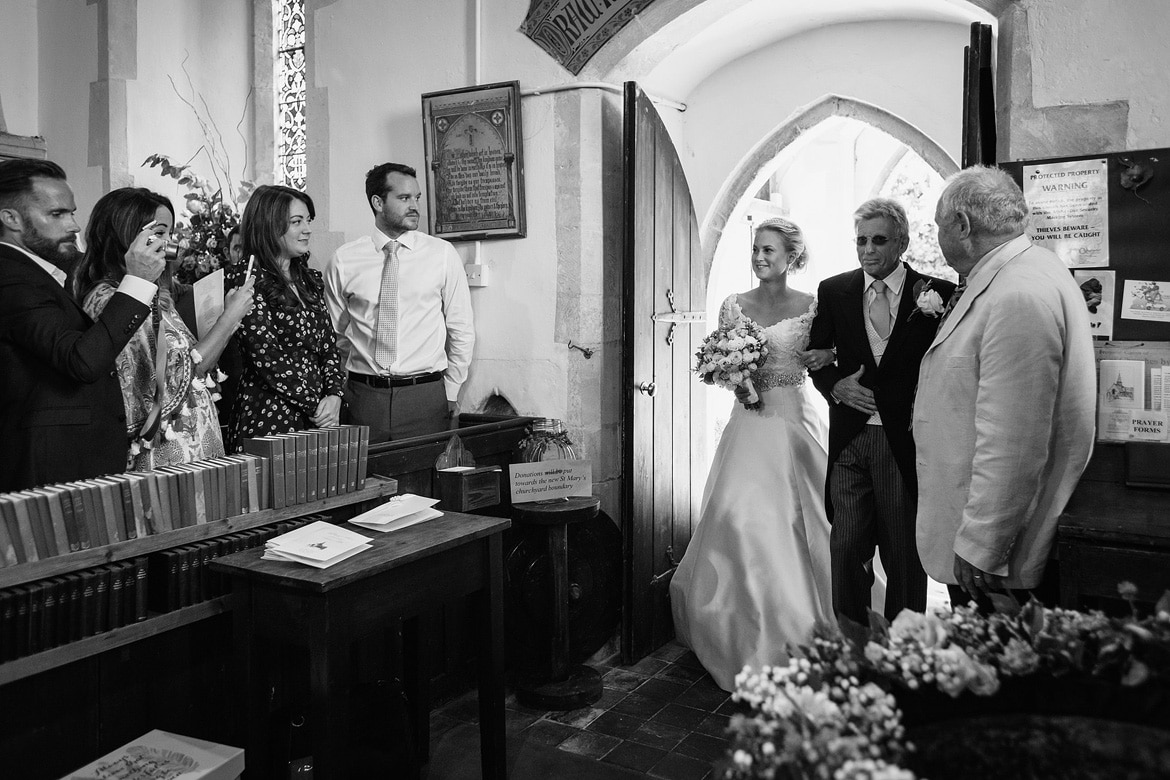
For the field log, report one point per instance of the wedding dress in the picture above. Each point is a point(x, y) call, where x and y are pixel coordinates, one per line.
point(755, 578)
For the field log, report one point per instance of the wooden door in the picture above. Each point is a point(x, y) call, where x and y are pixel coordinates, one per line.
point(662, 433)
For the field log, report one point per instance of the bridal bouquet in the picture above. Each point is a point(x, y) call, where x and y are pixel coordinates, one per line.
point(730, 355)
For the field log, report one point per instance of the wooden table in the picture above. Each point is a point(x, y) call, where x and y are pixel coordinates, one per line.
point(407, 573)
point(1109, 533)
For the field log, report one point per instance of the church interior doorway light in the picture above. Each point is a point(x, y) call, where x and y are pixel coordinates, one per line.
point(818, 181)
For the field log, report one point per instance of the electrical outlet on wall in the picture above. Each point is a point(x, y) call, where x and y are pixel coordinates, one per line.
point(477, 275)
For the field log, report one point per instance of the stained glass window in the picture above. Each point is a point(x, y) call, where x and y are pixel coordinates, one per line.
point(289, 25)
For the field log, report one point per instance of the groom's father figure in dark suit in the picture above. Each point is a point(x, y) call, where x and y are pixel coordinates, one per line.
point(61, 411)
point(870, 318)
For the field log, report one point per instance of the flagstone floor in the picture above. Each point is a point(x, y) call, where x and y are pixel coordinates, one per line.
point(661, 718)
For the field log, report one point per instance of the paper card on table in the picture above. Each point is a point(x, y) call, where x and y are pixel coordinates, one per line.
point(1148, 426)
point(548, 479)
point(279, 555)
point(161, 754)
point(402, 522)
point(318, 541)
point(207, 294)
point(397, 507)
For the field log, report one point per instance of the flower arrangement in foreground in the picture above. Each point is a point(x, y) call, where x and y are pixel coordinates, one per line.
point(730, 355)
point(832, 713)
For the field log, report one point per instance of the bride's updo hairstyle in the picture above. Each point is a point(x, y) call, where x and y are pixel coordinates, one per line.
point(792, 236)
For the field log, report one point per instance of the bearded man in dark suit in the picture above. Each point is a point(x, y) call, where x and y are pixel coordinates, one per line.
point(871, 318)
point(61, 411)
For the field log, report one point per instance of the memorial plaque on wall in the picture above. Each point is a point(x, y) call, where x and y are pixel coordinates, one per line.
point(474, 162)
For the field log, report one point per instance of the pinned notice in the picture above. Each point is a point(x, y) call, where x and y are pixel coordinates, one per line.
point(549, 479)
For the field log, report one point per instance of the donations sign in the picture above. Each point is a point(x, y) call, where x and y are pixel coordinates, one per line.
point(1070, 210)
point(572, 31)
point(548, 479)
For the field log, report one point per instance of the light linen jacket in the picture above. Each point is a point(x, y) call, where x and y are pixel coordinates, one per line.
point(1004, 417)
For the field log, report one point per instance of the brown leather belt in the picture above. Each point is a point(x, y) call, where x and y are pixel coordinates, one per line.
point(384, 382)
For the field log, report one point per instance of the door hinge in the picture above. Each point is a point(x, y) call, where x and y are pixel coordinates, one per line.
point(671, 564)
point(676, 317)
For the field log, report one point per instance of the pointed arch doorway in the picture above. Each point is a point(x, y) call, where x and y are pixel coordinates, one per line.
point(815, 168)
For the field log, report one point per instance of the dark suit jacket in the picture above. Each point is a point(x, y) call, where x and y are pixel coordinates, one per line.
point(61, 411)
point(839, 323)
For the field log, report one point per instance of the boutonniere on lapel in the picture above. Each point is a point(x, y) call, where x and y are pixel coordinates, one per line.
point(927, 301)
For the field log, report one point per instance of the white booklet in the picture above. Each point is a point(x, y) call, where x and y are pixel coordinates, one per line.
point(317, 544)
point(400, 511)
point(162, 755)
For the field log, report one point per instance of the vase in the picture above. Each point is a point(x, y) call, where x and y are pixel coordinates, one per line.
point(547, 440)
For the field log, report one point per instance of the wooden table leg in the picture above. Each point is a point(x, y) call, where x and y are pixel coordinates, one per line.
point(416, 634)
point(328, 693)
point(251, 677)
point(490, 619)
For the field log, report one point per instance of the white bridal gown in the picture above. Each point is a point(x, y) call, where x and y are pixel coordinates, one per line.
point(755, 578)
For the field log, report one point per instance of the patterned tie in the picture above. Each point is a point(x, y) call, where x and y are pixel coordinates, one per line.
point(386, 348)
point(954, 299)
point(879, 309)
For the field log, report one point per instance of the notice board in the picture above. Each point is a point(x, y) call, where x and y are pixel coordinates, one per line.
point(1108, 217)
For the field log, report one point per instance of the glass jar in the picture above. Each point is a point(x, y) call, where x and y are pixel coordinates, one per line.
point(547, 440)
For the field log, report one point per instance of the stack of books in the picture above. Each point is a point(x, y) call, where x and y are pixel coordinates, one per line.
point(272, 473)
point(41, 615)
point(314, 464)
point(320, 544)
point(54, 611)
point(73, 516)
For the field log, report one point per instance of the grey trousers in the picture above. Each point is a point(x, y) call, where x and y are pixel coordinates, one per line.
point(398, 412)
point(872, 507)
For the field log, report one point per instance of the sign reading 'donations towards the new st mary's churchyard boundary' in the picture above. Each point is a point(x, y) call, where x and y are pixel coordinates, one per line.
point(549, 479)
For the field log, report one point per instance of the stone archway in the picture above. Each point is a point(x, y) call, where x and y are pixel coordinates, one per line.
point(745, 175)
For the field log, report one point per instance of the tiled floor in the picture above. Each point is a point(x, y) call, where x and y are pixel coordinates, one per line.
point(661, 718)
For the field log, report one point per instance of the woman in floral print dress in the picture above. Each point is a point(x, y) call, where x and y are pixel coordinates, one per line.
point(292, 377)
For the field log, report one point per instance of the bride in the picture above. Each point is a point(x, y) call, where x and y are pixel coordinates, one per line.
point(755, 578)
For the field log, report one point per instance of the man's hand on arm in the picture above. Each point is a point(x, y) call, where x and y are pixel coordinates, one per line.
point(849, 391)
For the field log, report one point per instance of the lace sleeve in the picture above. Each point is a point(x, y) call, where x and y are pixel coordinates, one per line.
point(727, 312)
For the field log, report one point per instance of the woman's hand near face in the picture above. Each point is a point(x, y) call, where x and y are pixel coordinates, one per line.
point(328, 412)
point(146, 256)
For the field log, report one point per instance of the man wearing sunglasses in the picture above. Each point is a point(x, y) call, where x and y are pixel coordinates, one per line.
point(869, 317)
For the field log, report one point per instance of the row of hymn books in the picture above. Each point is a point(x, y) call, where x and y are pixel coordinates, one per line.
point(54, 611)
point(273, 472)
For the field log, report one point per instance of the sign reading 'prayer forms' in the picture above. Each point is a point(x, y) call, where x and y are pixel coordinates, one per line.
point(474, 162)
point(572, 31)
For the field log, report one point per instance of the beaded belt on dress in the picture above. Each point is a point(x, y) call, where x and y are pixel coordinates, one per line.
point(766, 380)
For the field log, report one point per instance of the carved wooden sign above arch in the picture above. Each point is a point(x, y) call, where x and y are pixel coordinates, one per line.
point(572, 31)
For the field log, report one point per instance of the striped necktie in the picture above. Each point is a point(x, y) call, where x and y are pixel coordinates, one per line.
point(954, 299)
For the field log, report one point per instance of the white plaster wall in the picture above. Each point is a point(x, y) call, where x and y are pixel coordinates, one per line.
point(67, 57)
point(18, 68)
point(367, 58)
point(213, 39)
point(1087, 51)
point(912, 69)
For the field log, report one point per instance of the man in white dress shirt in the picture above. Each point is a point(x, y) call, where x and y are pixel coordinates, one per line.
point(1006, 396)
point(402, 311)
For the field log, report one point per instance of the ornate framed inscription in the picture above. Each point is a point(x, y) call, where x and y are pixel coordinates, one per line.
point(474, 162)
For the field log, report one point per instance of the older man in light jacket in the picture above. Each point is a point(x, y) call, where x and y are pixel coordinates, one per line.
point(1003, 417)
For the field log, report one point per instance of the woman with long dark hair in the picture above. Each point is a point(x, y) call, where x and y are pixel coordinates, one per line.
point(292, 377)
point(164, 368)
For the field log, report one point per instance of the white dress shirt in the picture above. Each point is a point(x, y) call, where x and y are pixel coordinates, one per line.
point(137, 288)
point(894, 282)
point(435, 326)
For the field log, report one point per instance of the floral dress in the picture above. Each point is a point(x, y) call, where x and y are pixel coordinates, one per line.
point(290, 362)
point(190, 425)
